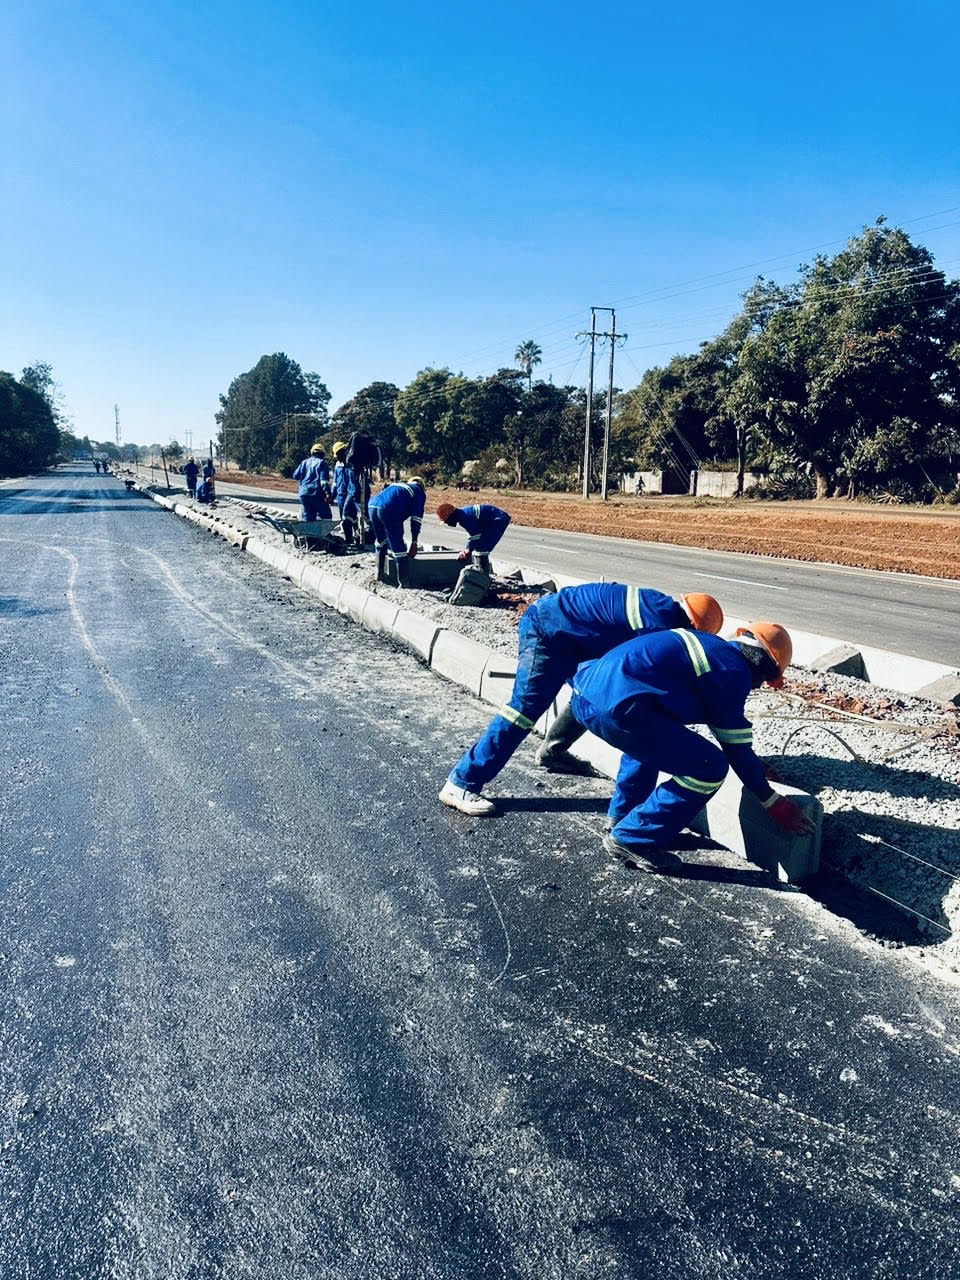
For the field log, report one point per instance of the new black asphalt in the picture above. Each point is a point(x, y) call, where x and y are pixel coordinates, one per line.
point(268, 1010)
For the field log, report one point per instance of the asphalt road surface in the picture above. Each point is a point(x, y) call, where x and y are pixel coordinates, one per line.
point(901, 612)
point(268, 1010)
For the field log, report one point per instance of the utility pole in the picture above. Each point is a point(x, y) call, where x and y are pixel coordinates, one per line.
point(592, 335)
point(188, 441)
point(116, 424)
point(613, 338)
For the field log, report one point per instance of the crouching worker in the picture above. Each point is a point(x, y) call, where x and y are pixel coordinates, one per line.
point(641, 697)
point(485, 525)
point(313, 478)
point(388, 510)
point(205, 489)
point(554, 636)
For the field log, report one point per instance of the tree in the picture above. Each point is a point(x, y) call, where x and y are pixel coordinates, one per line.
point(256, 412)
point(856, 373)
point(29, 438)
point(526, 356)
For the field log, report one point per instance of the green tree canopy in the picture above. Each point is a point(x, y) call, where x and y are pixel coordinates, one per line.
point(29, 437)
point(255, 413)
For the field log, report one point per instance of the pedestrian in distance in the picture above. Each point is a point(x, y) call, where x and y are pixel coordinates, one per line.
point(642, 697)
point(389, 509)
point(97, 465)
point(554, 636)
point(313, 477)
point(484, 524)
point(190, 473)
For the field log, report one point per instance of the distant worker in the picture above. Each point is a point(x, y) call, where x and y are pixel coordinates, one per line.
point(638, 487)
point(641, 696)
point(554, 636)
point(190, 473)
point(208, 471)
point(205, 490)
point(484, 523)
point(313, 477)
point(96, 463)
point(394, 504)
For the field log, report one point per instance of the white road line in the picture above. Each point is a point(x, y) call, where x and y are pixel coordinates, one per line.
point(747, 582)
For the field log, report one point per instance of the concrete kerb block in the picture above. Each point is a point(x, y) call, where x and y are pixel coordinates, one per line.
point(353, 600)
point(946, 689)
point(460, 659)
point(416, 633)
point(844, 660)
point(736, 818)
point(496, 679)
point(380, 615)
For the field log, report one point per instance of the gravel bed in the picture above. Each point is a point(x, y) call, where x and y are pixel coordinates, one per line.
point(889, 782)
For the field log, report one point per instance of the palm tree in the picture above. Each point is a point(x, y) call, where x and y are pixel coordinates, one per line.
point(527, 355)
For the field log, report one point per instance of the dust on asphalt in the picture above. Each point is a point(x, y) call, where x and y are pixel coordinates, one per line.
point(269, 1010)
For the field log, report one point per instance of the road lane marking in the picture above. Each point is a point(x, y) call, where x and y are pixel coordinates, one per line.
point(747, 582)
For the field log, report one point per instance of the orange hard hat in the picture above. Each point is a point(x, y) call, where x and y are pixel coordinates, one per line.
point(704, 611)
point(445, 511)
point(776, 640)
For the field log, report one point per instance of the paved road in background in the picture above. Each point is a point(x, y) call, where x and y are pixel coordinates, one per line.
point(269, 1010)
point(900, 612)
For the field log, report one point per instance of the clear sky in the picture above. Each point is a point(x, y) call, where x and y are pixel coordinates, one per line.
point(377, 187)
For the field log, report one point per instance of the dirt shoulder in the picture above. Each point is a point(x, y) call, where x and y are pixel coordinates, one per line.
point(905, 540)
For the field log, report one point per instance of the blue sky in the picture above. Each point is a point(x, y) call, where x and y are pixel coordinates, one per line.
point(374, 188)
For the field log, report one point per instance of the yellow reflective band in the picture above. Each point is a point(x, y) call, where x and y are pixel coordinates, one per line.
point(516, 718)
point(633, 609)
point(695, 653)
point(744, 736)
point(695, 784)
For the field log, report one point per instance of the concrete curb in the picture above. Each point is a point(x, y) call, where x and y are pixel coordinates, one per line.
point(460, 659)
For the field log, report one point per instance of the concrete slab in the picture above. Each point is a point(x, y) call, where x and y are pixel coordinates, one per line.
point(321, 584)
point(843, 660)
point(460, 659)
point(496, 681)
point(735, 818)
point(353, 601)
point(380, 615)
point(415, 632)
point(429, 571)
point(946, 689)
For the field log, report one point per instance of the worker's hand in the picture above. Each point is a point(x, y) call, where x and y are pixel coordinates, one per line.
point(464, 555)
point(412, 553)
point(770, 773)
point(790, 817)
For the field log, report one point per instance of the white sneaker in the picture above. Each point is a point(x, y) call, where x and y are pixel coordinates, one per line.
point(466, 801)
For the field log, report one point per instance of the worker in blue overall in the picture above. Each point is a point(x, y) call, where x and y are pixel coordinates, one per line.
point(394, 504)
point(190, 473)
point(207, 470)
point(346, 485)
point(641, 697)
point(485, 525)
point(554, 636)
point(313, 478)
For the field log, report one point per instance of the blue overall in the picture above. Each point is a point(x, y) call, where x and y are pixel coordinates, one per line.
point(190, 472)
point(388, 510)
point(346, 482)
point(640, 697)
point(208, 472)
point(554, 636)
point(485, 524)
point(313, 478)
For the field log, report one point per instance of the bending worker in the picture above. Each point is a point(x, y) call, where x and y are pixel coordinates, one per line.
point(313, 478)
point(554, 636)
point(388, 510)
point(484, 523)
point(641, 696)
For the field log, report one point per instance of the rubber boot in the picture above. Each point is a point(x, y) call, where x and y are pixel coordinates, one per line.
point(481, 561)
point(403, 571)
point(555, 752)
point(381, 563)
point(347, 528)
